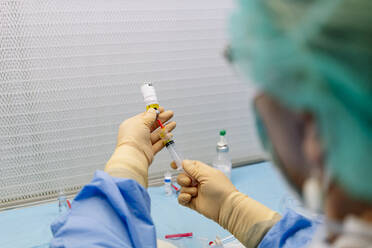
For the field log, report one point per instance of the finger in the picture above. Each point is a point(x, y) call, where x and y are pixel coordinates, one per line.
point(148, 117)
point(163, 117)
point(155, 136)
point(183, 180)
point(158, 146)
point(193, 191)
point(184, 199)
point(196, 169)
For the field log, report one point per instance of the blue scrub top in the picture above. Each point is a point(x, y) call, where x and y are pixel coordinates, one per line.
point(108, 212)
point(292, 231)
point(115, 212)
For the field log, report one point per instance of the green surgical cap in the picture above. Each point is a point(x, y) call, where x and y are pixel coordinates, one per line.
point(316, 56)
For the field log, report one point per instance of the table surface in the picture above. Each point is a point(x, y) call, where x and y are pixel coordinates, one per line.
point(30, 227)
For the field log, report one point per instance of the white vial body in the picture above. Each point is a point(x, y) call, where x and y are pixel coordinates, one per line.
point(168, 184)
point(149, 94)
point(223, 163)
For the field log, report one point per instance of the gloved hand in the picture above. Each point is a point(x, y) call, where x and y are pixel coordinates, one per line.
point(216, 198)
point(138, 141)
point(211, 192)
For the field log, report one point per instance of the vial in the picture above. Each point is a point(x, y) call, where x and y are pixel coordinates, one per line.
point(222, 161)
point(62, 203)
point(168, 184)
point(149, 96)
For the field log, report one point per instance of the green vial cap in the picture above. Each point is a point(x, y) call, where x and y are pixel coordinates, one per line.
point(223, 132)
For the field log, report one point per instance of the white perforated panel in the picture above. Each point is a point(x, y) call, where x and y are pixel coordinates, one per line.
point(71, 70)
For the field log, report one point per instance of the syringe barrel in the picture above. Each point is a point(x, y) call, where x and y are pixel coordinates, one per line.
point(177, 158)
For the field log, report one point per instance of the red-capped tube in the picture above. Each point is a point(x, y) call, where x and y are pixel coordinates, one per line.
point(175, 188)
point(179, 235)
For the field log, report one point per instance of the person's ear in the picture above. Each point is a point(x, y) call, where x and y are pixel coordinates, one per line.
point(312, 145)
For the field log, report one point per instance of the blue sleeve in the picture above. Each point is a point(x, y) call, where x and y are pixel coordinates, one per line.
point(108, 212)
point(292, 231)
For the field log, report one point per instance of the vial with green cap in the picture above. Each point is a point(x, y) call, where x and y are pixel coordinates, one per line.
point(222, 161)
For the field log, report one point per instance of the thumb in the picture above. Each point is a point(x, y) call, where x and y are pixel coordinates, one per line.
point(195, 169)
point(149, 117)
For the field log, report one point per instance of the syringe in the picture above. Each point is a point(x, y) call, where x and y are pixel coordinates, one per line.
point(220, 243)
point(151, 100)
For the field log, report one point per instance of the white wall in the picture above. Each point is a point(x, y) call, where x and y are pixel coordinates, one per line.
point(70, 72)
